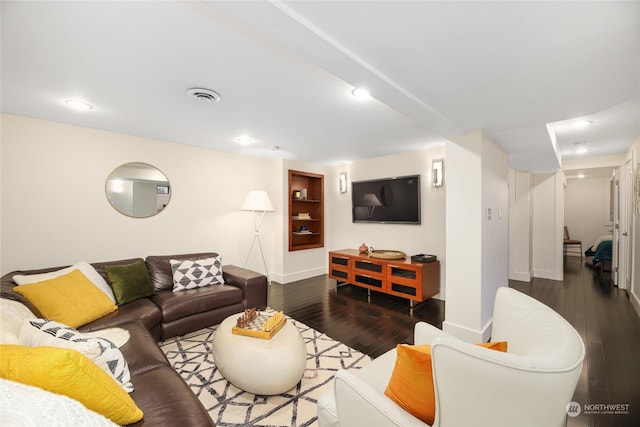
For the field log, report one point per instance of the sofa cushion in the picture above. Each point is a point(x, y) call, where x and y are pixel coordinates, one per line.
point(196, 274)
point(176, 305)
point(141, 351)
point(411, 383)
point(71, 299)
point(143, 310)
point(130, 281)
point(166, 399)
point(87, 269)
point(101, 351)
point(72, 374)
point(160, 271)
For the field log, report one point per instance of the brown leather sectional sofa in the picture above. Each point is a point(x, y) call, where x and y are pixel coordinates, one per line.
point(160, 392)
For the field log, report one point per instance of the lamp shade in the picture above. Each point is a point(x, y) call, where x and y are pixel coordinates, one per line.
point(370, 199)
point(257, 200)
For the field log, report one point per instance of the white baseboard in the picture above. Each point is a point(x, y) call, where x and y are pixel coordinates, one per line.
point(298, 275)
point(521, 277)
point(547, 274)
point(468, 334)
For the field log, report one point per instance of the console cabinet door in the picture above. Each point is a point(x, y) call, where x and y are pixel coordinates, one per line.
point(369, 274)
point(339, 267)
point(405, 281)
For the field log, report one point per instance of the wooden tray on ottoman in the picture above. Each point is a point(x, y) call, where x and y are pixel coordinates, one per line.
point(254, 328)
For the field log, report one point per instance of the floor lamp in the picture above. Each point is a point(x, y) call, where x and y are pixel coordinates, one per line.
point(257, 201)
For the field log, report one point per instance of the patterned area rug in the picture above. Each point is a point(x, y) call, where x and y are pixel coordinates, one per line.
point(190, 355)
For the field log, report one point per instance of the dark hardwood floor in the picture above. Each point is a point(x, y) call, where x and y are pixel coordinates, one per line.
point(601, 313)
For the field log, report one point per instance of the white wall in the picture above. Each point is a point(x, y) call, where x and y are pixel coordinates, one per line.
point(476, 246)
point(548, 225)
point(586, 209)
point(428, 237)
point(55, 211)
point(495, 227)
point(520, 226)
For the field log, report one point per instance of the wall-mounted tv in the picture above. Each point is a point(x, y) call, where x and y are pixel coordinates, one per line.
point(389, 200)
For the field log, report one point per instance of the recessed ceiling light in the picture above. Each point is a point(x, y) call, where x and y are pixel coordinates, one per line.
point(581, 124)
point(204, 95)
point(274, 147)
point(581, 147)
point(580, 176)
point(78, 105)
point(244, 140)
point(361, 93)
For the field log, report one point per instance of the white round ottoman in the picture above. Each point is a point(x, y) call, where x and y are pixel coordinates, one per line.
point(257, 365)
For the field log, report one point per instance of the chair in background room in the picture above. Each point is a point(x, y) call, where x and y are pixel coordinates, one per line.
point(569, 242)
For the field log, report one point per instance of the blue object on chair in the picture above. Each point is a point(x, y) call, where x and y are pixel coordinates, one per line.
point(604, 252)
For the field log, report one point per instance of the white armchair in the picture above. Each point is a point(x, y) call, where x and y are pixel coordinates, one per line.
point(530, 385)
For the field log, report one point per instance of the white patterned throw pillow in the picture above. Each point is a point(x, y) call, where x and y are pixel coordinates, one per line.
point(104, 353)
point(196, 274)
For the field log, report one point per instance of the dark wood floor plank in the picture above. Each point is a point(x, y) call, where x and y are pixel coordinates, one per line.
point(601, 313)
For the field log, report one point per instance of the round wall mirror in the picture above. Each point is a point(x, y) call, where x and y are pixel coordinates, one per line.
point(138, 190)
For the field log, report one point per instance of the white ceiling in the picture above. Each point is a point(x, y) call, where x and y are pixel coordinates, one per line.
point(285, 71)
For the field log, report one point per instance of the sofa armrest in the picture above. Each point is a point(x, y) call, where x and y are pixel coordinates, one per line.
point(253, 285)
point(358, 403)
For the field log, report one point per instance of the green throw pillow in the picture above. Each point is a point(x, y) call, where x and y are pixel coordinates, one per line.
point(130, 281)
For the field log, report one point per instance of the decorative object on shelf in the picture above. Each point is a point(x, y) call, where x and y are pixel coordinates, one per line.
point(304, 228)
point(363, 248)
point(386, 254)
point(297, 195)
point(437, 169)
point(342, 182)
point(302, 215)
point(303, 194)
point(257, 201)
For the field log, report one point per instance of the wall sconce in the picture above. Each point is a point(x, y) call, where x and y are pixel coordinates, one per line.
point(437, 173)
point(343, 182)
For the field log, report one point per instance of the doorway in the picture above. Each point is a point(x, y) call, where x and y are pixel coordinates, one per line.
point(591, 212)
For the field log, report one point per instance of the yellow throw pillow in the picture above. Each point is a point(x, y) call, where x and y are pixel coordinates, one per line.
point(71, 299)
point(411, 383)
point(68, 372)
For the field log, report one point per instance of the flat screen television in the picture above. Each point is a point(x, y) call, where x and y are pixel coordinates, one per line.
point(389, 200)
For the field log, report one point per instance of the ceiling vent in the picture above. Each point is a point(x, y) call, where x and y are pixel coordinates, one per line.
point(204, 95)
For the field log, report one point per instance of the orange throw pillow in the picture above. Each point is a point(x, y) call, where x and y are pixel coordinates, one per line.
point(411, 384)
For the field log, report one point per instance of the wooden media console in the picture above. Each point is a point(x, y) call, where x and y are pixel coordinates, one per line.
point(400, 277)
